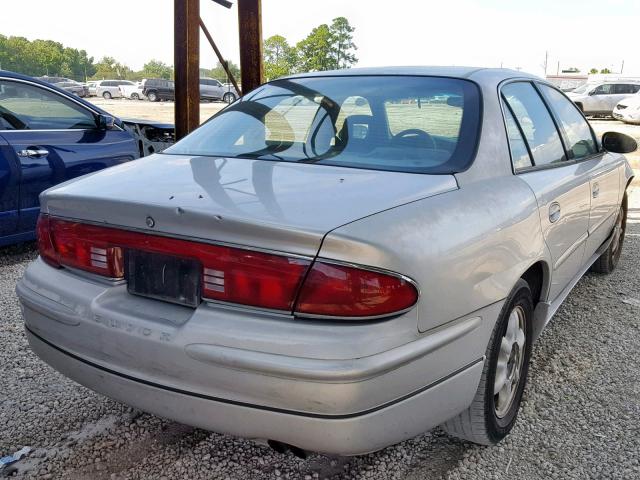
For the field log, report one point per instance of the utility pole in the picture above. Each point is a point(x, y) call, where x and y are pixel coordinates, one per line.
point(622, 67)
point(250, 25)
point(186, 27)
point(546, 60)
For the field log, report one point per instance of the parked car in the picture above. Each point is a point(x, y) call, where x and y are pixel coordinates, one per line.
point(73, 87)
point(133, 92)
point(156, 89)
point(111, 88)
point(92, 86)
point(211, 89)
point(54, 80)
point(601, 98)
point(333, 262)
point(628, 110)
point(48, 136)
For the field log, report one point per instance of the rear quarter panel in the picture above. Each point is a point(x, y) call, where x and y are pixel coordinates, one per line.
point(465, 248)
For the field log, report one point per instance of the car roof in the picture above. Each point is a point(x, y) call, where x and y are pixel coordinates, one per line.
point(435, 71)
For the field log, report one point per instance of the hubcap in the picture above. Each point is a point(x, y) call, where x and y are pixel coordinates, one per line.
point(510, 361)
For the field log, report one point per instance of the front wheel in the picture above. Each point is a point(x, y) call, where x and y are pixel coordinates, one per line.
point(229, 97)
point(608, 261)
point(495, 406)
point(152, 96)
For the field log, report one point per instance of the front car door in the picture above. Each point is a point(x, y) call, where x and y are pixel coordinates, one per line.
point(9, 189)
point(561, 187)
point(604, 168)
point(52, 138)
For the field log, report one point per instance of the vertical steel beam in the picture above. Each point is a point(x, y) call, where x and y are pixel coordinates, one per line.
point(250, 24)
point(186, 51)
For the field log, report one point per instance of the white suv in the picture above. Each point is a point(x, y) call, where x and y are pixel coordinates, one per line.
point(111, 88)
point(601, 98)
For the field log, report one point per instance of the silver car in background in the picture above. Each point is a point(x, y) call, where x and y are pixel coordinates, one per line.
point(337, 261)
point(601, 98)
point(211, 89)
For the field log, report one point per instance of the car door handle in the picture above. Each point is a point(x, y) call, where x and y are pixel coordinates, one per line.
point(554, 212)
point(33, 152)
point(595, 191)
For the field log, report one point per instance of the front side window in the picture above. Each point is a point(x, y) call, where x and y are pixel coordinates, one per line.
point(576, 129)
point(28, 107)
point(535, 122)
point(397, 123)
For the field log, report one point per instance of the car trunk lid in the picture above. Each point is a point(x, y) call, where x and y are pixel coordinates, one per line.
point(279, 206)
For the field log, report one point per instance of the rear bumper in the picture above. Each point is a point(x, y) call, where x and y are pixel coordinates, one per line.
point(255, 377)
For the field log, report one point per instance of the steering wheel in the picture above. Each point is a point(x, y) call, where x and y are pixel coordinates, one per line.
point(415, 135)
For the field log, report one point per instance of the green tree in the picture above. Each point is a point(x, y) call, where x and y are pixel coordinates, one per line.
point(108, 67)
point(342, 45)
point(593, 71)
point(605, 70)
point(315, 51)
point(219, 73)
point(279, 57)
point(156, 69)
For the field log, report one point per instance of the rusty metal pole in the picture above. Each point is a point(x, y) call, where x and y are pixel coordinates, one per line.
point(250, 24)
point(186, 51)
point(222, 61)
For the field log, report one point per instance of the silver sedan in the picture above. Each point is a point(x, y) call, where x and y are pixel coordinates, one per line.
point(337, 261)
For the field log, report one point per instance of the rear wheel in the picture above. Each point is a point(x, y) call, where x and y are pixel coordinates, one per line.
point(495, 406)
point(608, 261)
point(135, 96)
point(106, 95)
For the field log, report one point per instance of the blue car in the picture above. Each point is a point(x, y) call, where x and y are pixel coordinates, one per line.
point(48, 136)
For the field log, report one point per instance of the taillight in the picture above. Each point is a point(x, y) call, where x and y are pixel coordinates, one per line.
point(332, 290)
point(45, 245)
point(252, 278)
point(235, 275)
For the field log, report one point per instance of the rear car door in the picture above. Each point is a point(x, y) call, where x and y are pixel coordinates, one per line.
point(52, 138)
point(602, 167)
point(561, 187)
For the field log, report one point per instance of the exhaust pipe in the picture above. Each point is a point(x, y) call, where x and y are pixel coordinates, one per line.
point(283, 448)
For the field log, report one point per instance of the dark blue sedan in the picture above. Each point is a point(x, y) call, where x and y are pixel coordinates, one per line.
point(48, 136)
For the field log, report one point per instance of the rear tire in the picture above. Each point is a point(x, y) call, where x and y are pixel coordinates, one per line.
point(607, 262)
point(135, 96)
point(106, 95)
point(492, 415)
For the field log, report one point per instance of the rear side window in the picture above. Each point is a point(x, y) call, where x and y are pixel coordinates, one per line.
point(535, 121)
point(625, 88)
point(519, 153)
point(576, 129)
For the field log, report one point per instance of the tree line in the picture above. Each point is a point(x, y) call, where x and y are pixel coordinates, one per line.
point(327, 47)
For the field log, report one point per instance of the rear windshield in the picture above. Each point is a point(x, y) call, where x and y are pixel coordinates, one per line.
point(397, 123)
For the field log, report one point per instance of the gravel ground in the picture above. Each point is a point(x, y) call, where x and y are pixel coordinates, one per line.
point(579, 417)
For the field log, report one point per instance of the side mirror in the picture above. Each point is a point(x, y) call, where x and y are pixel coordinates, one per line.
point(617, 142)
point(592, 92)
point(105, 122)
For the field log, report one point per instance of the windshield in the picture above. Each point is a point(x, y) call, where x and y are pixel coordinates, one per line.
point(582, 88)
point(398, 123)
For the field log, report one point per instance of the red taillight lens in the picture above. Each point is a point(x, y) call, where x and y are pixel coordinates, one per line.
point(342, 291)
point(45, 245)
point(229, 274)
point(252, 278)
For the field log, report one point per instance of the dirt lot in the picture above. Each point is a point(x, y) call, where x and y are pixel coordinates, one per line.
point(579, 416)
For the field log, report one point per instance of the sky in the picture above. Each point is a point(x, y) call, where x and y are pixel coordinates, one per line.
point(490, 33)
